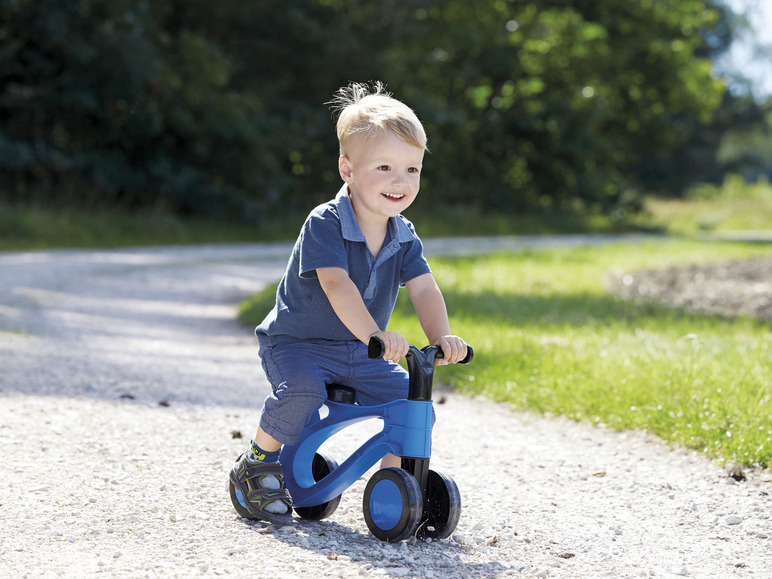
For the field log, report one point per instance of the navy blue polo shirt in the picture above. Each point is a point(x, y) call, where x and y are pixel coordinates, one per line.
point(331, 237)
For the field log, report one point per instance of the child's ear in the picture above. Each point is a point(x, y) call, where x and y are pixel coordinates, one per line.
point(344, 168)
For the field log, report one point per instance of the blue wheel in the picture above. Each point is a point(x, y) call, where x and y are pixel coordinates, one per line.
point(442, 507)
point(392, 504)
point(239, 502)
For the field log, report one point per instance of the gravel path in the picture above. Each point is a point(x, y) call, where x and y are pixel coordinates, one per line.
point(126, 383)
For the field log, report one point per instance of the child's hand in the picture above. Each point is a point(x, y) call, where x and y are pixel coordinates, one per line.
point(453, 350)
point(395, 346)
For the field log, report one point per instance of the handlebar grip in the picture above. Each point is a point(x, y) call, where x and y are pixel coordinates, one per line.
point(376, 347)
point(467, 358)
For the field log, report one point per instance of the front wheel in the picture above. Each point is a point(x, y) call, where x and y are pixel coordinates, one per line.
point(392, 504)
point(442, 507)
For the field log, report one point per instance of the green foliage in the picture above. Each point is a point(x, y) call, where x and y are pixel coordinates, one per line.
point(253, 310)
point(738, 140)
point(100, 104)
point(734, 188)
point(25, 229)
point(215, 108)
point(561, 98)
point(733, 207)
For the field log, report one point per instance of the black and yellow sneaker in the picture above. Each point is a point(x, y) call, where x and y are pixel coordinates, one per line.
point(257, 491)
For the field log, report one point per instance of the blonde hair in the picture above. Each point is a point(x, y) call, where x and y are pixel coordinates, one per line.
point(371, 111)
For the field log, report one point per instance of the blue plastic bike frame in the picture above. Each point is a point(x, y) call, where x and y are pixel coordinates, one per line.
point(407, 428)
point(406, 432)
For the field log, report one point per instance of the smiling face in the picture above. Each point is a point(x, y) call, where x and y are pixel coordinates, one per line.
point(383, 175)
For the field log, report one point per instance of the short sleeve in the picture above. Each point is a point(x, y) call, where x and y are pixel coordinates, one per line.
point(321, 243)
point(413, 263)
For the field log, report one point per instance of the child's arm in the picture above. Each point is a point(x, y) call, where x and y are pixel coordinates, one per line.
point(433, 315)
point(350, 308)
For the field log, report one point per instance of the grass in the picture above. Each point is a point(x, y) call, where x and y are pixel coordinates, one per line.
point(28, 229)
point(548, 338)
point(41, 228)
point(735, 206)
point(469, 222)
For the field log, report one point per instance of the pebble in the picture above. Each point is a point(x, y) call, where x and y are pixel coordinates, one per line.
point(734, 520)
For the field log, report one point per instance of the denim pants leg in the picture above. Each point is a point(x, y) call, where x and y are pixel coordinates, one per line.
point(299, 371)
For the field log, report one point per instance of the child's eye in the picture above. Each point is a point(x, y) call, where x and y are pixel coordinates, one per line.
point(383, 168)
point(413, 170)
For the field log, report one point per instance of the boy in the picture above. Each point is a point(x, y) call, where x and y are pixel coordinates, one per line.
point(339, 290)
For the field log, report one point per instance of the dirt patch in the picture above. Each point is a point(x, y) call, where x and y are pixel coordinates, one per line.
point(732, 288)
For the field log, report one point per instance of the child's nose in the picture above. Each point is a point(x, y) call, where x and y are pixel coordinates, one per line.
point(401, 180)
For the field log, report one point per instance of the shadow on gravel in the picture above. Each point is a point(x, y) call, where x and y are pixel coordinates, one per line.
point(144, 325)
point(118, 348)
point(335, 541)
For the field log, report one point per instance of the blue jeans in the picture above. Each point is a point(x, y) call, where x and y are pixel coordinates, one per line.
point(299, 371)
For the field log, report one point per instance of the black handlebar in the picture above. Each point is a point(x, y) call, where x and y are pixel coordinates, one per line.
point(376, 348)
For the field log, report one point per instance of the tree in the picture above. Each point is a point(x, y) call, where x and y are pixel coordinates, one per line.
point(738, 137)
point(100, 104)
point(548, 103)
point(217, 108)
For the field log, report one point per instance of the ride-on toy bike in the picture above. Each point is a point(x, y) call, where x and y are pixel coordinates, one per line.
point(398, 502)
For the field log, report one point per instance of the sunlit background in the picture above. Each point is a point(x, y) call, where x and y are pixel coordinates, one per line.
point(749, 56)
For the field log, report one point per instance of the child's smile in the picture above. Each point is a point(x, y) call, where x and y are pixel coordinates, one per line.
point(394, 196)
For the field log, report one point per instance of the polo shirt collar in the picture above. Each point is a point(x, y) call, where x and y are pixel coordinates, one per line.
point(398, 229)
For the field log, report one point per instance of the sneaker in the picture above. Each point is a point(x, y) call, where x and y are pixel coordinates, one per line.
point(254, 484)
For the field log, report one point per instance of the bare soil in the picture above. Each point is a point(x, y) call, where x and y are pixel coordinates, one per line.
point(739, 288)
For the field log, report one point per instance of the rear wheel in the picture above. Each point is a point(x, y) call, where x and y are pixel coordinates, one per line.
point(321, 466)
point(442, 507)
